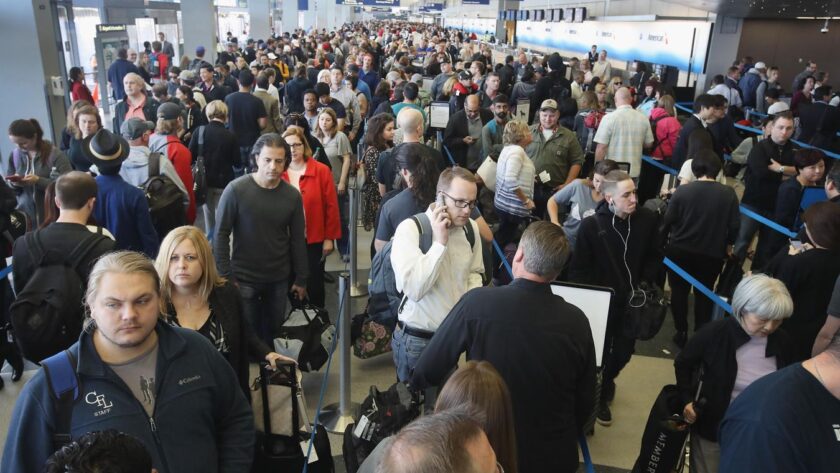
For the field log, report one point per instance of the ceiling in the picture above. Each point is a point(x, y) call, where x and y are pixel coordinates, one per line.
point(766, 8)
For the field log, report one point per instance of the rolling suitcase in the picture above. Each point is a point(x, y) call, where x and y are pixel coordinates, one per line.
point(282, 445)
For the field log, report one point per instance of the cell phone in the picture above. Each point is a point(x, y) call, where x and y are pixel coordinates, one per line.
point(440, 202)
point(797, 245)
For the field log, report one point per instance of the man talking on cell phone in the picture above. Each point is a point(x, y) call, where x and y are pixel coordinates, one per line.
point(437, 258)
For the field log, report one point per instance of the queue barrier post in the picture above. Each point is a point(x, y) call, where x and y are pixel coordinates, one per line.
point(336, 417)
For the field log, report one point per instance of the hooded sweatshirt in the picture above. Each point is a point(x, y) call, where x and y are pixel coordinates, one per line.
point(667, 132)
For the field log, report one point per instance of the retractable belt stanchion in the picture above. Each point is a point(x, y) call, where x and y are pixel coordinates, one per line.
point(336, 417)
point(357, 288)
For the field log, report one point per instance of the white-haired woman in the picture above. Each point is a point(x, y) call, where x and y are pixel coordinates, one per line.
point(728, 355)
point(514, 181)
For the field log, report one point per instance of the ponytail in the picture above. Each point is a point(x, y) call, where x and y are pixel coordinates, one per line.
point(30, 129)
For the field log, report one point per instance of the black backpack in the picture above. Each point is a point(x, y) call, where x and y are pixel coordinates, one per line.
point(165, 198)
point(47, 315)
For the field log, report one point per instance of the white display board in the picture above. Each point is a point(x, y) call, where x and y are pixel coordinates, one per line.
point(594, 301)
point(675, 43)
point(439, 116)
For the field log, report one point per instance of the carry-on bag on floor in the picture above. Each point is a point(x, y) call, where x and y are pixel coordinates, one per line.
point(381, 414)
point(278, 410)
point(664, 439)
point(306, 336)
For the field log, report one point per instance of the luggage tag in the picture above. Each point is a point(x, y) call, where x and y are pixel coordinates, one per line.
point(313, 455)
point(361, 428)
point(544, 177)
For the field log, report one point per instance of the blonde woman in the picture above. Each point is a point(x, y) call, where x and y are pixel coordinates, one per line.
point(197, 298)
point(337, 147)
point(514, 181)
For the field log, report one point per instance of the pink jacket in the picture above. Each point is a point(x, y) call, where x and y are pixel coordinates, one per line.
point(667, 133)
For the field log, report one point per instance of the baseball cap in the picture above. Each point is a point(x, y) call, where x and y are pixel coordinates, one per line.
point(199, 50)
point(393, 76)
point(168, 111)
point(272, 56)
point(778, 107)
point(760, 65)
point(549, 103)
point(465, 75)
point(186, 75)
point(134, 128)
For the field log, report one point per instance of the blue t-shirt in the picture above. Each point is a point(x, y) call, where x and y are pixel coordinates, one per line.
point(786, 422)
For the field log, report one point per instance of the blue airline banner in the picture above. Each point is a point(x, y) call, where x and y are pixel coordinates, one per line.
point(303, 5)
point(476, 2)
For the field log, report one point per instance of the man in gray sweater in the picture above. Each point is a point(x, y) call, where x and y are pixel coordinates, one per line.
point(265, 215)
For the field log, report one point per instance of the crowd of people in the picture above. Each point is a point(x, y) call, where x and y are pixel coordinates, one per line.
point(265, 145)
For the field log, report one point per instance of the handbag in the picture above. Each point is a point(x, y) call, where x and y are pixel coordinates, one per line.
point(306, 336)
point(369, 337)
point(487, 173)
point(645, 312)
point(731, 275)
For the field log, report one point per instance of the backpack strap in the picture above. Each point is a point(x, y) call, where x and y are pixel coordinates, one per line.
point(154, 164)
point(424, 227)
point(63, 381)
point(34, 247)
point(83, 249)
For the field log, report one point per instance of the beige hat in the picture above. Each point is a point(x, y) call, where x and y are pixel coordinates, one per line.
point(778, 107)
point(549, 103)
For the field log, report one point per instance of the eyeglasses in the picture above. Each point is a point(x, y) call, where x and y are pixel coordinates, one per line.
point(461, 204)
point(295, 145)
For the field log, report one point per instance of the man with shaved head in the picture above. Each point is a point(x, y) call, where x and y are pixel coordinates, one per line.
point(463, 133)
point(624, 133)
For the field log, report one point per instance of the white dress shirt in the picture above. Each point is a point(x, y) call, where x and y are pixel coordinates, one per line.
point(434, 282)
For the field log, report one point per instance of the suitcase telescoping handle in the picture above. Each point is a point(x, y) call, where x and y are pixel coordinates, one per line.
point(265, 374)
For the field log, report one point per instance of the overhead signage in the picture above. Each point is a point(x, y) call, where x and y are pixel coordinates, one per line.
point(303, 5)
point(110, 28)
point(476, 2)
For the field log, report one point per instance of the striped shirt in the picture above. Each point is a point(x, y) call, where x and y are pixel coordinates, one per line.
point(514, 170)
point(626, 131)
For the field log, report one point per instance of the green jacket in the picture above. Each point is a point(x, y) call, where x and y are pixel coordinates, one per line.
point(556, 155)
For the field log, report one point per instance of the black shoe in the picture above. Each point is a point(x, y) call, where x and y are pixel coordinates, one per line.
point(604, 415)
point(328, 278)
point(680, 338)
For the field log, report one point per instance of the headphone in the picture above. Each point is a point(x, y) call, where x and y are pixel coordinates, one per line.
point(633, 291)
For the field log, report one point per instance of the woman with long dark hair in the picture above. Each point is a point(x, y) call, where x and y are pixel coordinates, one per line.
point(194, 117)
point(379, 137)
point(78, 89)
point(420, 175)
point(32, 166)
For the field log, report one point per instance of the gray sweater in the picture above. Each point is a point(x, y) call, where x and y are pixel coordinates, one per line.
point(269, 242)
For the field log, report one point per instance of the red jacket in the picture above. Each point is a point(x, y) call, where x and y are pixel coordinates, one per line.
point(181, 158)
point(79, 91)
point(667, 133)
point(320, 202)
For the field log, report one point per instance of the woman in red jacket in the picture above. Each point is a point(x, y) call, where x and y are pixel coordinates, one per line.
point(666, 129)
point(78, 89)
point(320, 208)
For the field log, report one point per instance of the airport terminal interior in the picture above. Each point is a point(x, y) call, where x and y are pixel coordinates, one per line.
point(468, 236)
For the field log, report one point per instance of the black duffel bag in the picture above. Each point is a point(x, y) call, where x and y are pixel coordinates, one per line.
point(664, 438)
point(306, 336)
point(645, 312)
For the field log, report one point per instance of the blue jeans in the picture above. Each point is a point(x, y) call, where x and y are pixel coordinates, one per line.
point(264, 306)
point(407, 350)
point(248, 165)
point(344, 214)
